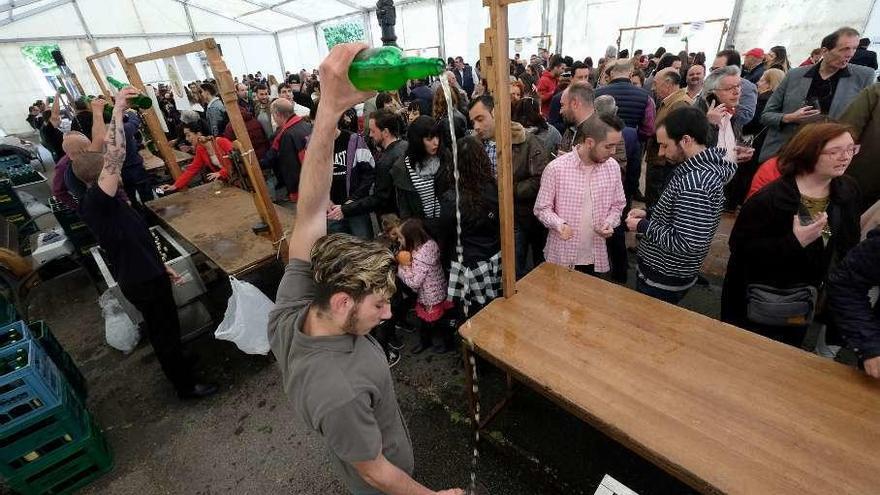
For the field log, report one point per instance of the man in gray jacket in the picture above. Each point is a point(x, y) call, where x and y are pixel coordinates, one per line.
point(807, 93)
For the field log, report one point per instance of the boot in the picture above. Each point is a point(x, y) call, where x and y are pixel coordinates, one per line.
point(425, 334)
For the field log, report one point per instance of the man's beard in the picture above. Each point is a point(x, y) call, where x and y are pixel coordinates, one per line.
point(352, 321)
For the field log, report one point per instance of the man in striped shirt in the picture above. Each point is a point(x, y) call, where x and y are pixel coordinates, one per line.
point(679, 231)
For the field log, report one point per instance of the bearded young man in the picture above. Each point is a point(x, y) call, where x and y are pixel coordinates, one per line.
point(335, 290)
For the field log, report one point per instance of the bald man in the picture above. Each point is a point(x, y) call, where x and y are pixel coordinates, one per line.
point(287, 152)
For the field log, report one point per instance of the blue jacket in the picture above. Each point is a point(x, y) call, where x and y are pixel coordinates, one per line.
point(848, 286)
point(133, 168)
point(631, 100)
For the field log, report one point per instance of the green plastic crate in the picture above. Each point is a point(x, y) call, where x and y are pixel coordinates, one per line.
point(60, 357)
point(29, 443)
point(67, 469)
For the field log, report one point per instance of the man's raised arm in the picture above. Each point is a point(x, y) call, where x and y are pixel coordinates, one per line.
point(337, 95)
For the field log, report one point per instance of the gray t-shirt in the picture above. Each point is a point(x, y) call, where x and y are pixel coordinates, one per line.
point(341, 385)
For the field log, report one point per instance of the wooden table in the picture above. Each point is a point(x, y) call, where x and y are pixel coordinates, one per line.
point(722, 409)
point(218, 223)
point(153, 162)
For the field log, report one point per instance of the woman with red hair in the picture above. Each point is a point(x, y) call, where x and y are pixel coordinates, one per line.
point(787, 235)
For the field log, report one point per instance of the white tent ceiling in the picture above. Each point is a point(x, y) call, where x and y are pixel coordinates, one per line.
point(276, 35)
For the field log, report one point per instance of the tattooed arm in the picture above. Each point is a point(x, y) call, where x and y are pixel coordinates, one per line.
point(114, 155)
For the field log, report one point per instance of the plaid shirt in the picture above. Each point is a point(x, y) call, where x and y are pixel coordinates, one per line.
point(492, 151)
point(561, 201)
point(481, 283)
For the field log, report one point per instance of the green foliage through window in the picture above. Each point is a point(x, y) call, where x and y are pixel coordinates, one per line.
point(41, 56)
point(345, 32)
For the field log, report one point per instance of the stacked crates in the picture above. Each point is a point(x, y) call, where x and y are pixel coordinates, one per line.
point(75, 229)
point(49, 443)
point(13, 209)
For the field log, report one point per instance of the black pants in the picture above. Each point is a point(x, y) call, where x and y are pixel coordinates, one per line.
point(736, 190)
point(139, 193)
point(401, 301)
point(632, 175)
point(155, 301)
point(587, 269)
point(617, 255)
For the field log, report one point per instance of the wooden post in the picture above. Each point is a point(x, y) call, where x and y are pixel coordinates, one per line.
point(495, 60)
point(226, 88)
point(95, 72)
point(152, 120)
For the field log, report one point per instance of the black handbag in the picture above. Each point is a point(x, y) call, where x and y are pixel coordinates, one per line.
point(781, 307)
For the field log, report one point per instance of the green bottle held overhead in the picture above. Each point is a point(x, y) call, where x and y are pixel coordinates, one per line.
point(140, 101)
point(386, 68)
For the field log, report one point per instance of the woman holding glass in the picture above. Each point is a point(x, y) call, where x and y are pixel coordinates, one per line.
point(787, 235)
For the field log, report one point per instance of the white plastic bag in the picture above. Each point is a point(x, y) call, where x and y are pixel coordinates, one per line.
point(121, 333)
point(247, 318)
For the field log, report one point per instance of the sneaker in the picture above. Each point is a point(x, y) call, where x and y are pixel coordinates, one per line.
point(393, 358)
point(395, 343)
point(198, 391)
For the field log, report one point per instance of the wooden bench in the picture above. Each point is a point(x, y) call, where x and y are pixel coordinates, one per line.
point(218, 223)
point(720, 408)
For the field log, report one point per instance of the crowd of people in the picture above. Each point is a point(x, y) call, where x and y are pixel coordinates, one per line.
point(790, 150)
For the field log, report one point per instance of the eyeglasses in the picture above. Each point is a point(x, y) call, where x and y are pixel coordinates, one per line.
point(843, 152)
point(736, 88)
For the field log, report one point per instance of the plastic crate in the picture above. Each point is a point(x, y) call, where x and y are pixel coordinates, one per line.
point(8, 313)
point(47, 432)
point(66, 365)
point(68, 468)
point(35, 387)
point(13, 333)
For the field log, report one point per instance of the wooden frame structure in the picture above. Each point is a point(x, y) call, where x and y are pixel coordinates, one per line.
point(227, 94)
point(724, 30)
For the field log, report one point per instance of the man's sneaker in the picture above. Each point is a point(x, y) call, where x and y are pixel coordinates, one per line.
point(393, 358)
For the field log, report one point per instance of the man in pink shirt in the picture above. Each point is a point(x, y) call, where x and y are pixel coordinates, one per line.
point(581, 198)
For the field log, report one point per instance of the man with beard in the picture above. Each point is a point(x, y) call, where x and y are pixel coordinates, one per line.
point(581, 198)
point(577, 107)
point(335, 289)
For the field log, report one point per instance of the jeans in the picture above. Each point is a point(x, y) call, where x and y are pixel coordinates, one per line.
point(670, 296)
point(155, 300)
point(359, 226)
point(525, 237)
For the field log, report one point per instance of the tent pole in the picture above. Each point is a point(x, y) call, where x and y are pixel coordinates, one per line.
point(733, 26)
point(82, 20)
point(440, 30)
point(189, 22)
point(560, 18)
point(278, 50)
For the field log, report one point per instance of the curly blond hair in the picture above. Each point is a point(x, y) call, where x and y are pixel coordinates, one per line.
point(344, 263)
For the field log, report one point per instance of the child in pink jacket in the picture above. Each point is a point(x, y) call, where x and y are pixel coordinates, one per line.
point(420, 268)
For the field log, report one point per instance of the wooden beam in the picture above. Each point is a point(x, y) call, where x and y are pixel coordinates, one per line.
point(151, 119)
point(500, 72)
point(195, 46)
point(262, 201)
point(98, 75)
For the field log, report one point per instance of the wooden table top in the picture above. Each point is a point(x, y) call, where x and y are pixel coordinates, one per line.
point(218, 223)
point(722, 409)
point(153, 162)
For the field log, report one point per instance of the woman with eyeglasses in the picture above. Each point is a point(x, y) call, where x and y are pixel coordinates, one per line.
point(790, 232)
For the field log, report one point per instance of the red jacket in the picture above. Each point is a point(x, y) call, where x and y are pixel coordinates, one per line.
point(222, 148)
point(546, 89)
point(767, 173)
point(255, 132)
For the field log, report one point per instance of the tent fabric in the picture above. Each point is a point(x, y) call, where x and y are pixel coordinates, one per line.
point(247, 31)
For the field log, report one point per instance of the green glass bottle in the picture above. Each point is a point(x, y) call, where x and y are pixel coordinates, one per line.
point(386, 68)
point(140, 101)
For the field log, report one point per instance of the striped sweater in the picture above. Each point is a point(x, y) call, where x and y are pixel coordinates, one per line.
point(679, 231)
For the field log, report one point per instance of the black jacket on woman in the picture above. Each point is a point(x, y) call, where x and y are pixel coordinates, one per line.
point(848, 301)
point(764, 249)
point(409, 204)
point(480, 227)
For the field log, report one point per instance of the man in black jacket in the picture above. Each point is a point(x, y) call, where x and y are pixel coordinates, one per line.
point(850, 306)
point(864, 56)
point(385, 131)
